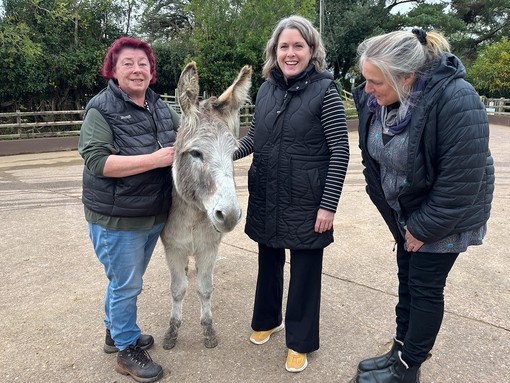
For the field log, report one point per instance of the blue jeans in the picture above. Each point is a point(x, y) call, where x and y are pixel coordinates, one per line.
point(125, 255)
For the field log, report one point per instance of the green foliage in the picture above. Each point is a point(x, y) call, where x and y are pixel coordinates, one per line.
point(230, 34)
point(20, 56)
point(164, 20)
point(469, 25)
point(52, 49)
point(490, 73)
point(433, 17)
point(170, 57)
point(347, 23)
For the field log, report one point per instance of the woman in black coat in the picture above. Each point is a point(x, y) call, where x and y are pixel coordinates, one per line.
point(424, 139)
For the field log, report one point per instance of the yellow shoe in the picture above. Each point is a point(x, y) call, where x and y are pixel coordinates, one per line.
point(296, 362)
point(261, 337)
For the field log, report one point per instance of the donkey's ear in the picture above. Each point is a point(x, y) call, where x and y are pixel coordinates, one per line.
point(188, 88)
point(237, 93)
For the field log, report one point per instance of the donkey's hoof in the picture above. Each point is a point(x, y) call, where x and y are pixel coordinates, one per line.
point(169, 343)
point(170, 338)
point(211, 342)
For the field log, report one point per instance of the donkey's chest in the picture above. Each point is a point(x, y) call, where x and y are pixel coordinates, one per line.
point(190, 229)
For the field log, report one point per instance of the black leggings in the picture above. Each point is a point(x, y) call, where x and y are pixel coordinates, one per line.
point(303, 300)
point(420, 307)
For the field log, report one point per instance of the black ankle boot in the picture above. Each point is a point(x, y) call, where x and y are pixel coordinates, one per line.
point(144, 342)
point(136, 362)
point(398, 372)
point(382, 361)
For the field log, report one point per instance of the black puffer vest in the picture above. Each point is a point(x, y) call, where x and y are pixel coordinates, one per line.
point(290, 163)
point(135, 131)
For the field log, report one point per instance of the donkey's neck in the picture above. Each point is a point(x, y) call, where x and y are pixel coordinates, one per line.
point(186, 212)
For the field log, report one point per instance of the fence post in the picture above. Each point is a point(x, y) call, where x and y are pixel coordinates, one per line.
point(18, 121)
point(501, 104)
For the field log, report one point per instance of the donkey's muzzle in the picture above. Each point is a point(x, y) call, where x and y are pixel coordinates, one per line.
point(225, 220)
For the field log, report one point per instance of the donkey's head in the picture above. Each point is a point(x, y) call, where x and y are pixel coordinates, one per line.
point(203, 170)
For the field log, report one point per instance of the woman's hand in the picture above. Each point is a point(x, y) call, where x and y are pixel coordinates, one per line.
point(164, 157)
point(324, 221)
point(412, 244)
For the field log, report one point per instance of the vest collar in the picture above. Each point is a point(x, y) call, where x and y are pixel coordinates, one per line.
point(150, 96)
point(297, 83)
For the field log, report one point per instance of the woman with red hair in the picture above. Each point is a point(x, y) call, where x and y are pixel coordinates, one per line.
point(126, 141)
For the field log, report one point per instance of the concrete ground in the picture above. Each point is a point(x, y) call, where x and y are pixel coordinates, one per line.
point(52, 291)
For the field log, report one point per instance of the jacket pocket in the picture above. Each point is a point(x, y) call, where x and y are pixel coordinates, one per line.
point(307, 179)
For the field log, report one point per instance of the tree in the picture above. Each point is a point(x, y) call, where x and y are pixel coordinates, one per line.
point(55, 49)
point(469, 25)
point(490, 72)
point(170, 56)
point(52, 49)
point(167, 24)
point(164, 20)
point(19, 56)
point(486, 22)
point(347, 23)
point(229, 34)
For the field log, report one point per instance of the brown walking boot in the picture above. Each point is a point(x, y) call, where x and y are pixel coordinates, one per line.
point(137, 362)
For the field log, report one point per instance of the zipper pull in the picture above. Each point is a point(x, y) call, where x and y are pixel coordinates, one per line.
point(283, 103)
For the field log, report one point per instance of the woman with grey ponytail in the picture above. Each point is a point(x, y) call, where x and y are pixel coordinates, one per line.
point(424, 140)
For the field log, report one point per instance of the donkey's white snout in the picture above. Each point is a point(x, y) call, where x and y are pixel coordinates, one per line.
point(226, 219)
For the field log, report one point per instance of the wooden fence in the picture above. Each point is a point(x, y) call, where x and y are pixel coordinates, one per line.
point(36, 132)
point(20, 125)
point(497, 105)
point(40, 124)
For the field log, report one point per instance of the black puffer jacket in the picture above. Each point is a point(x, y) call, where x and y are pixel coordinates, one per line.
point(450, 171)
point(290, 163)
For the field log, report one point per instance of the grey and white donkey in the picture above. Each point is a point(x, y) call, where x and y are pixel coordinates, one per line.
point(204, 201)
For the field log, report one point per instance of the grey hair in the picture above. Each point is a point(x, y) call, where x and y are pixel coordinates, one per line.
point(309, 33)
point(400, 53)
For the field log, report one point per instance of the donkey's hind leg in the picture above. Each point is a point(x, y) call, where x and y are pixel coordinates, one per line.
point(205, 268)
point(179, 283)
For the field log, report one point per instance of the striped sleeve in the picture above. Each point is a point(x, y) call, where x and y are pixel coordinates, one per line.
point(246, 142)
point(334, 124)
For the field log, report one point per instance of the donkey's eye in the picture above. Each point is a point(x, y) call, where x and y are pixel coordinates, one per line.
point(195, 154)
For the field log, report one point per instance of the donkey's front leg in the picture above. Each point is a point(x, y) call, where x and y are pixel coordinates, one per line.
point(205, 268)
point(178, 286)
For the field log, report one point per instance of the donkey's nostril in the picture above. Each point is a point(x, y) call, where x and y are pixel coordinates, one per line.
point(219, 215)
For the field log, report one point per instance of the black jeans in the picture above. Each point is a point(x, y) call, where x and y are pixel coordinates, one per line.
point(420, 307)
point(303, 300)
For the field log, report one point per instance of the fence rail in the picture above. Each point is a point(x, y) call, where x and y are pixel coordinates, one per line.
point(497, 105)
point(20, 125)
point(39, 124)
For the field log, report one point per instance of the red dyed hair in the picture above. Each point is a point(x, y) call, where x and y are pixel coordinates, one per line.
point(112, 55)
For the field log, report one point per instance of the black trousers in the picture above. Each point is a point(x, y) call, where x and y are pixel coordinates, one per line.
point(303, 299)
point(420, 307)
